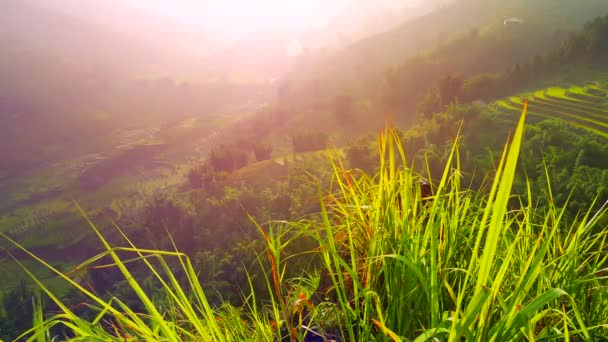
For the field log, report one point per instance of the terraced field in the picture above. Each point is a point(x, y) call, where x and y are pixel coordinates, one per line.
point(583, 107)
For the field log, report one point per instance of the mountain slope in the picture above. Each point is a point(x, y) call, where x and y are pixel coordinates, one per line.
point(468, 36)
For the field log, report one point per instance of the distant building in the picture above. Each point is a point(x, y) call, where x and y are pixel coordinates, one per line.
point(513, 21)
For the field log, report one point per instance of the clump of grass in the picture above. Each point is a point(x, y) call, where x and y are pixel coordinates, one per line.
point(457, 265)
point(461, 265)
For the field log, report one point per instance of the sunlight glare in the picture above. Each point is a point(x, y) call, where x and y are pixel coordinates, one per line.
point(236, 17)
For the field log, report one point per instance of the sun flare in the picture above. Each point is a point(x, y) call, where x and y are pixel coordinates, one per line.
point(243, 16)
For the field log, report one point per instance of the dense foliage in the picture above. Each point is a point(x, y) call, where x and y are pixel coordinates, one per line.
point(461, 263)
point(587, 47)
point(307, 141)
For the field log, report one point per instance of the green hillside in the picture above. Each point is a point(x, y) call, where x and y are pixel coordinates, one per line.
point(395, 68)
point(471, 269)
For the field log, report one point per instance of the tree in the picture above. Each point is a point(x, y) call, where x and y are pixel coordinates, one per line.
point(343, 108)
point(19, 311)
point(430, 104)
point(585, 185)
point(262, 151)
point(195, 177)
point(483, 87)
point(205, 177)
point(360, 155)
point(537, 66)
point(162, 214)
point(307, 141)
point(449, 89)
point(228, 158)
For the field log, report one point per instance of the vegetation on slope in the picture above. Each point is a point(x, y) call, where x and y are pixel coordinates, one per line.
point(402, 267)
point(468, 38)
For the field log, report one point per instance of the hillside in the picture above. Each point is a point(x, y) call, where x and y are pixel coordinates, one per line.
point(583, 107)
point(396, 67)
point(70, 84)
point(389, 229)
point(104, 157)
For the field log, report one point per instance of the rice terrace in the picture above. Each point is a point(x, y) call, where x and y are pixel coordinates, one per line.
point(583, 107)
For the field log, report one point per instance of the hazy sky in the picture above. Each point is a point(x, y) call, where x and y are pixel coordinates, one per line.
point(235, 17)
point(226, 18)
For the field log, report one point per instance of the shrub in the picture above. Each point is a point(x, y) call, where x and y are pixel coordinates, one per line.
point(205, 177)
point(228, 158)
point(262, 151)
point(361, 156)
point(307, 141)
point(343, 109)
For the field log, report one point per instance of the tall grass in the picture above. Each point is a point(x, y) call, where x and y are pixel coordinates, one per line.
point(457, 265)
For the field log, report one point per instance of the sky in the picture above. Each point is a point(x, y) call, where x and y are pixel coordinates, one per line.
point(236, 17)
point(223, 22)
